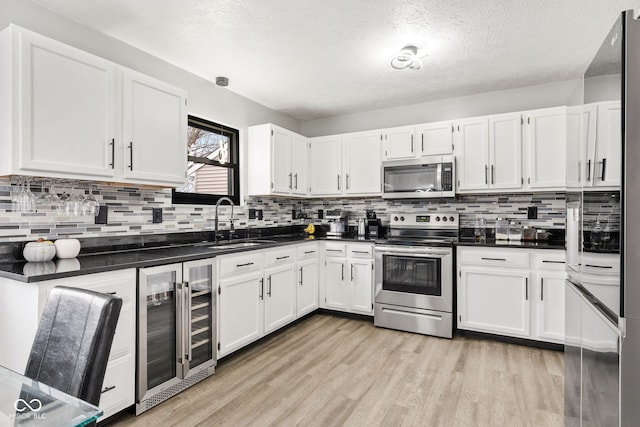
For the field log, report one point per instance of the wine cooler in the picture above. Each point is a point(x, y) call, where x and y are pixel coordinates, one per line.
point(176, 330)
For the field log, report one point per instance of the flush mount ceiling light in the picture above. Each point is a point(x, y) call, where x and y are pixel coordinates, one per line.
point(407, 58)
point(222, 81)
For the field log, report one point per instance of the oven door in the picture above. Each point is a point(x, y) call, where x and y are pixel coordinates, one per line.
point(414, 276)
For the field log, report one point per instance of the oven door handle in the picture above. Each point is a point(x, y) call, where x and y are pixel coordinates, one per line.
point(386, 250)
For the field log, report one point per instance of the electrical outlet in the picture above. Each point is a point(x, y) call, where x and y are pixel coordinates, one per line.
point(260, 214)
point(532, 212)
point(252, 213)
point(101, 218)
point(320, 214)
point(293, 214)
point(156, 216)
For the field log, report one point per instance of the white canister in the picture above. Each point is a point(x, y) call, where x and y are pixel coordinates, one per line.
point(39, 251)
point(67, 248)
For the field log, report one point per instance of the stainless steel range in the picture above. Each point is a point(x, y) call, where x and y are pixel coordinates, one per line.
point(414, 274)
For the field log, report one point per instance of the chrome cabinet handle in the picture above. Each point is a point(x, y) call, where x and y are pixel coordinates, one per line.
point(300, 275)
point(106, 389)
point(113, 153)
point(338, 181)
point(526, 288)
point(290, 181)
point(269, 288)
point(486, 174)
point(282, 257)
point(295, 176)
point(598, 266)
point(604, 168)
point(313, 252)
point(347, 181)
point(360, 252)
point(412, 143)
point(589, 171)
point(131, 155)
point(244, 265)
point(352, 272)
point(261, 296)
point(422, 142)
point(342, 271)
point(494, 259)
point(492, 174)
point(541, 289)
point(552, 262)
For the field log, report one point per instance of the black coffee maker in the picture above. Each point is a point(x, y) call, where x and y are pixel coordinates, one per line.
point(373, 224)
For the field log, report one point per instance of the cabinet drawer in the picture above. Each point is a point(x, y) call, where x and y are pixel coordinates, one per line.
point(118, 386)
point(549, 260)
point(307, 251)
point(361, 251)
point(253, 261)
point(495, 258)
point(334, 249)
point(600, 263)
point(280, 256)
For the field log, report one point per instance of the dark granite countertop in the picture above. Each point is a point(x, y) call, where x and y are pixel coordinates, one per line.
point(513, 244)
point(168, 252)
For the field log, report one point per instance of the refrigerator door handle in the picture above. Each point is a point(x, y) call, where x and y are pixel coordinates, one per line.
point(180, 330)
point(187, 322)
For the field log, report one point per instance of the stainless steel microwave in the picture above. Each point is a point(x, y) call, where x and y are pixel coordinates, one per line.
point(423, 177)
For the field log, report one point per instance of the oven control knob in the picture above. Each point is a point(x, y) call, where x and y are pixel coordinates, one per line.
point(444, 218)
point(451, 219)
point(438, 219)
point(401, 218)
point(395, 218)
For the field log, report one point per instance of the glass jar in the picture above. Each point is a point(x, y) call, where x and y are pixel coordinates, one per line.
point(502, 229)
point(515, 231)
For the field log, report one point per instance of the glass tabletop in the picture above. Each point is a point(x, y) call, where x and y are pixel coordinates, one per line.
point(25, 402)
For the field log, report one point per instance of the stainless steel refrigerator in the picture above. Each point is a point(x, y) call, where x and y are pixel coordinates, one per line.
point(602, 298)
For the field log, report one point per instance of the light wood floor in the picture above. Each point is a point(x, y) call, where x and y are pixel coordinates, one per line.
point(330, 370)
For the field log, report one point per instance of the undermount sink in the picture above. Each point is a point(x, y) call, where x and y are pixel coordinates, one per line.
point(233, 245)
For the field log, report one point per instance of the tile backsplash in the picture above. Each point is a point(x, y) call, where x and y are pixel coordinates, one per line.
point(130, 212)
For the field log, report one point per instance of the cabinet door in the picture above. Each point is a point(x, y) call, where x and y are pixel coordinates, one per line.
point(336, 288)
point(505, 142)
point(550, 306)
point(588, 144)
point(575, 147)
point(282, 175)
point(435, 138)
point(362, 163)
point(67, 116)
point(279, 297)
point(155, 131)
point(325, 175)
point(472, 159)
point(399, 143)
point(547, 148)
point(300, 165)
point(608, 146)
point(361, 284)
point(240, 314)
point(494, 301)
point(307, 294)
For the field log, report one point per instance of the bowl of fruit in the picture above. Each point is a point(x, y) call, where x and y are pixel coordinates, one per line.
point(39, 251)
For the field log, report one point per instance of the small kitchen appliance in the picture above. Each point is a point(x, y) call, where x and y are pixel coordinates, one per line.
point(413, 273)
point(338, 222)
point(373, 224)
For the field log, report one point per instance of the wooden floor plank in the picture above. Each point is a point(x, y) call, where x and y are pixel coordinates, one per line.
point(328, 370)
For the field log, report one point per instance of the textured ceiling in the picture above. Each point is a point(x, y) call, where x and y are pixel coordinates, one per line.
point(312, 59)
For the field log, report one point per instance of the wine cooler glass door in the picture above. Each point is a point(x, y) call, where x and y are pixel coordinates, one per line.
point(199, 316)
point(159, 309)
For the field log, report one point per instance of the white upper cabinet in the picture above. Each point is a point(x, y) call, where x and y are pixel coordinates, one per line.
point(155, 130)
point(546, 138)
point(277, 160)
point(505, 151)
point(59, 108)
point(325, 172)
point(70, 114)
point(608, 152)
point(489, 153)
point(435, 138)
point(348, 164)
point(399, 143)
point(362, 163)
point(575, 152)
point(472, 154)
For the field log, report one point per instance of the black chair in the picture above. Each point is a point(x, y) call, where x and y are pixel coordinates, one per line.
point(72, 344)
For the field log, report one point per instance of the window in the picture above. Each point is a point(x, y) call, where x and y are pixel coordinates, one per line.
point(213, 165)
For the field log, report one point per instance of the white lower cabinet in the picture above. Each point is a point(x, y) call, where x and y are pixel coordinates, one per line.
point(28, 301)
point(261, 291)
point(347, 279)
point(493, 300)
point(512, 292)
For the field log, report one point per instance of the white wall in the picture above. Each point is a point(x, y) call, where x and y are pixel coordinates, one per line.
point(526, 98)
point(603, 88)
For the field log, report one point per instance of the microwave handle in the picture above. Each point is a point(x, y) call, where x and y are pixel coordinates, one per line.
point(439, 177)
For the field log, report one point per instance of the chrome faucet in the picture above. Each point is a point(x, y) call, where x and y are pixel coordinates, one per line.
point(232, 231)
